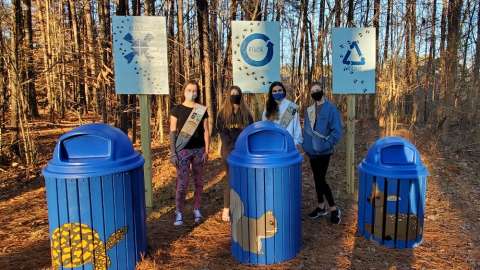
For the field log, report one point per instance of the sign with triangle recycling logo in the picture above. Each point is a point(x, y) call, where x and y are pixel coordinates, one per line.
point(346, 58)
point(353, 60)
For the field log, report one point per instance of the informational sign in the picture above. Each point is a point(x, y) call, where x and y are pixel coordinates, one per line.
point(140, 54)
point(353, 60)
point(255, 55)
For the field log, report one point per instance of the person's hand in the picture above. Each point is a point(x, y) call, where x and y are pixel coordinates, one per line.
point(299, 148)
point(174, 159)
point(205, 157)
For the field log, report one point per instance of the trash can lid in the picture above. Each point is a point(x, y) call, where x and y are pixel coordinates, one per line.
point(264, 144)
point(92, 150)
point(393, 157)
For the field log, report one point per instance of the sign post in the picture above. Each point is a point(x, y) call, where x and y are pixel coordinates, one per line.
point(353, 73)
point(141, 68)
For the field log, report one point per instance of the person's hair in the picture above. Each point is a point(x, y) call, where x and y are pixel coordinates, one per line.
point(187, 83)
point(321, 82)
point(226, 113)
point(272, 106)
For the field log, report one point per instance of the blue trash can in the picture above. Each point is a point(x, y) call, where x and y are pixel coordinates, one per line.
point(265, 195)
point(391, 196)
point(96, 200)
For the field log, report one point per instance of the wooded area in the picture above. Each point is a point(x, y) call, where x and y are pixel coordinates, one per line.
point(56, 59)
point(56, 73)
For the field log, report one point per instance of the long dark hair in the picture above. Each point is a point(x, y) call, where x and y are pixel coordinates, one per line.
point(272, 106)
point(187, 83)
point(226, 113)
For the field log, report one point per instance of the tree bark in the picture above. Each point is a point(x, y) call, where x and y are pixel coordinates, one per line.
point(338, 13)
point(30, 72)
point(122, 10)
point(203, 30)
point(411, 63)
point(387, 31)
point(476, 72)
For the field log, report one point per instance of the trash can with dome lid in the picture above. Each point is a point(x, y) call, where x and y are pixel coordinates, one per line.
point(265, 195)
point(392, 191)
point(96, 200)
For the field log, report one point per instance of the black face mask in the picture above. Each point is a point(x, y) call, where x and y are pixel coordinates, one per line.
point(235, 99)
point(317, 96)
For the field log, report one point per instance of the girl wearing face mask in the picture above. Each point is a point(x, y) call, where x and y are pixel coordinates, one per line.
point(322, 130)
point(189, 145)
point(283, 111)
point(232, 118)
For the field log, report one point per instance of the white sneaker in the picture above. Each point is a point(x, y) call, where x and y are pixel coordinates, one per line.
point(226, 215)
point(197, 215)
point(178, 219)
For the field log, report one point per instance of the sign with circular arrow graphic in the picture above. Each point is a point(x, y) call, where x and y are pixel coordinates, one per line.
point(255, 55)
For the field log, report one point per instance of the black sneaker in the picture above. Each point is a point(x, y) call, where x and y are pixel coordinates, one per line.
point(335, 216)
point(318, 212)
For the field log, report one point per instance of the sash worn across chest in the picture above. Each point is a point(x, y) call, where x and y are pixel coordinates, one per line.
point(190, 126)
point(312, 114)
point(288, 115)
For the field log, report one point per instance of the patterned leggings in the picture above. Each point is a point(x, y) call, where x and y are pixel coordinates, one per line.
point(187, 158)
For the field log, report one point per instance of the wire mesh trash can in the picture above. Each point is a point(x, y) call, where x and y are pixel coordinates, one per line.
point(96, 200)
point(392, 191)
point(265, 195)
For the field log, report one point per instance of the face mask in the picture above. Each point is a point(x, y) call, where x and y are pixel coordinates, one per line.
point(190, 96)
point(279, 96)
point(317, 96)
point(235, 99)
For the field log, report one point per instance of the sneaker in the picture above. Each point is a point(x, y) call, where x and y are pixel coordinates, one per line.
point(197, 215)
point(178, 219)
point(335, 216)
point(318, 212)
point(226, 215)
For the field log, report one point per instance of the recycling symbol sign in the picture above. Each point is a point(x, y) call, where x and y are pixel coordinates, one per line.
point(353, 60)
point(346, 58)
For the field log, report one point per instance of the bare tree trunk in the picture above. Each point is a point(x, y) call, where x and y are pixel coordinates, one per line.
point(453, 37)
point(203, 30)
point(136, 7)
point(280, 7)
point(431, 78)
point(216, 58)
point(338, 13)
point(16, 77)
point(320, 42)
point(3, 81)
point(76, 52)
point(90, 67)
point(103, 42)
point(181, 43)
point(298, 87)
point(46, 56)
point(15, 66)
point(476, 73)
point(122, 9)
point(30, 73)
point(227, 63)
point(350, 14)
point(387, 31)
point(411, 63)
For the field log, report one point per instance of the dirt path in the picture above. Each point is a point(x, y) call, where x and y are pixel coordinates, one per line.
point(451, 233)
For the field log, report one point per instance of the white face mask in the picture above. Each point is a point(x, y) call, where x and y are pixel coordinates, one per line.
point(190, 96)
